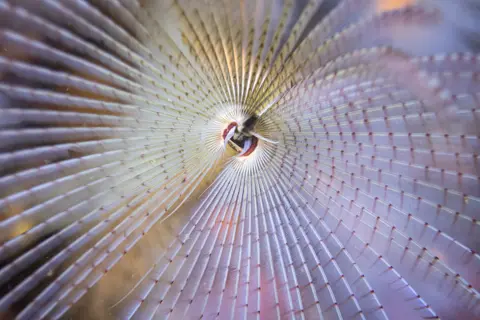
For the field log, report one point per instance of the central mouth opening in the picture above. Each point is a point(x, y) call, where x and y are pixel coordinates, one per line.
point(240, 137)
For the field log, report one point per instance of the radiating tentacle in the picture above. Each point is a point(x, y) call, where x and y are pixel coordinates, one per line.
point(238, 160)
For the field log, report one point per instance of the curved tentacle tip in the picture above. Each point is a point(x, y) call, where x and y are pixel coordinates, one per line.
point(229, 135)
point(260, 137)
point(246, 147)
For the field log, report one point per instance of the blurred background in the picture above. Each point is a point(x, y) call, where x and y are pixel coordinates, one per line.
point(455, 29)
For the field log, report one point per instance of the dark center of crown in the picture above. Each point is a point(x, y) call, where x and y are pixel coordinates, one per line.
point(242, 134)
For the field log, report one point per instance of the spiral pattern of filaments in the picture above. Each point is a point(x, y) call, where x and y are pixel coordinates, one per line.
point(255, 159)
